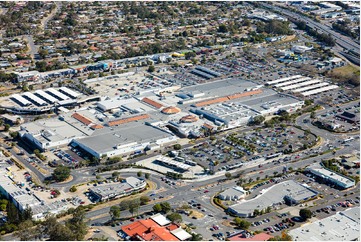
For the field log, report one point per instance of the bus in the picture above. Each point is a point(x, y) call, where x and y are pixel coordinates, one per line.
point(348, 140)
point(273, 156)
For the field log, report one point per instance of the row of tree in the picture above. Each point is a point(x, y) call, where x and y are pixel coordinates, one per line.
point(275, 27)
point(326, 38)
point(74, 229)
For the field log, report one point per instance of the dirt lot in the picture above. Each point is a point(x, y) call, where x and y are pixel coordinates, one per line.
point(195, 213)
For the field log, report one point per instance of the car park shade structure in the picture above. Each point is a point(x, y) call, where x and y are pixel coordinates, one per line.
point(283, 79)
point(47, 97)
point(302, 89)
point(298, 85)
point(292, 82)
point(21, 100)
point(35, 99)
point(323, 89)
point(57, 94)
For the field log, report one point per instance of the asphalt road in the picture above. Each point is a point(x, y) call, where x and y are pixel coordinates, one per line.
point(194, 190)
point(33, 50)
point(45, 21)
point(344, 41)
point(187, 192)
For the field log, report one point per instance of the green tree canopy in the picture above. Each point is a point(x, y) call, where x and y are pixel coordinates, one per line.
point(114, 212)
point(61, 173)
point(305, 213)
point(242, 224)
point(157, 208)
point(175, 217)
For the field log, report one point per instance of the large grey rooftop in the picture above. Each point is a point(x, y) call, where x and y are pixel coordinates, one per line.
point(273, 195)
point(220, 88)
point(263, 102)
point(105, 139)
point(343, 226)
point(117, 188)
point(52, 130)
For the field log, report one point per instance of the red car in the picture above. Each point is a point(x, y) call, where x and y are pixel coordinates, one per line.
point(206, 191)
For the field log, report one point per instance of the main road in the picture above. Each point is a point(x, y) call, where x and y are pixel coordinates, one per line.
point(345, 42)
point(182, 194)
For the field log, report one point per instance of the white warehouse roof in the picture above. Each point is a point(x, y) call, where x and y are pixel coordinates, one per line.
point(323, 89)
point(343, 226)
point(298, 85)
point(283, 79)
point(302, 89)
point(293, 82)
point(181, 234)
point(160, 219)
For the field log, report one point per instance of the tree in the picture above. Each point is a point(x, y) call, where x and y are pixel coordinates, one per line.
point(283, 237)
point(228, 175)
point(157, 208)
point(26, 231)
point(222, 28)
point(114, 212)
point(256, 212)
point(55, 230)
point(257, 120)
point(12, 214)
point(151, 68)
point(144, 200)
point(77, 224)
point(268, 209)
point(61, 173)
point(27, 214)
point(43, 53)
point(115, 174)
point(305, 214)
point(146, 175)
point(190, 55)
point(177, 146)
point(242, 224)
point(6, 127)
point(14, 134)
point(175, 217)
point(73, 189)
point(134, 206)
point(308, 102)
point(139, 174)
point(313, 115)
point(3, 204)
point(196, 237)
point(165, 207)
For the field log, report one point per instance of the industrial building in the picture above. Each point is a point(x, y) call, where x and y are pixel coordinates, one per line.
point(330, 176)
point(349, 117)
point(343, 226)
point(50, 133)
point(290, 192)
point(117, 190)
point(234, 193)
point(155, 228)
point(23, 200)
point(151, 119)
point(176, 165)
point(129, 138)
